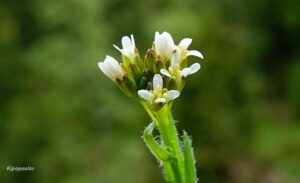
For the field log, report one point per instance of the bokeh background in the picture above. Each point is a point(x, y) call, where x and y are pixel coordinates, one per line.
point(59, 114)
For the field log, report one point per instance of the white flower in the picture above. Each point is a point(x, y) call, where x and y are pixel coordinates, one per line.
point(111, 68)
point(164, 45)
point(183, 46)
point(174, 69)
point(128, 45)
point(190, 70)
point(158, 94)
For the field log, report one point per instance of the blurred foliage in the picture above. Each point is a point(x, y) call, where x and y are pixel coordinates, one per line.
point(59, 114)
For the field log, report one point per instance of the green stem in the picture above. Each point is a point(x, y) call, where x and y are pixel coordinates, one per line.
point(168, 170)
point(149, 113)
point(167, 129)
point(159, 152)
point(174, 168)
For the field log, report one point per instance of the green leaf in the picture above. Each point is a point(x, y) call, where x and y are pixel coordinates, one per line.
point(158, 151)
point(189, 160)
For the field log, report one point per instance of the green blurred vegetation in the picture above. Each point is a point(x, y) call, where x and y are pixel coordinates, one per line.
point(59, 114)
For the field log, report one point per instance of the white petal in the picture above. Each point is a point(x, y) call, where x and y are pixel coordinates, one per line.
point(119, 49)
point(194, 68)
point(106, 70)
point(102, 67)
point(157, 80)
point(185, 72)
point(165, 72)
point(129, 52)
point(126, 42)
point(114, 65)
point(145, 94)
point(132, 40)
point(175, 58)
point(195, 53)
point(160, 100)
point(163, 44)
point(168, 38)
point(160, 46)
point(185, 43)
point(172, 94)
point(156, 36)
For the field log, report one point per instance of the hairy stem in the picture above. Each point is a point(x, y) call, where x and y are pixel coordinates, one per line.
point(178, 164)
point(170, 139)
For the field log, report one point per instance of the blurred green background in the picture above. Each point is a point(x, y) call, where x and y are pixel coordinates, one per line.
point(59, 114)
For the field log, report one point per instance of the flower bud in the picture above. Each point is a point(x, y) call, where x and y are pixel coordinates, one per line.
point(138, 61)
point(129, 85)
point(150, 58)
point(135, 71)
point(148, 74)
point(149, 86)
point(143, 83)
point(157, 65)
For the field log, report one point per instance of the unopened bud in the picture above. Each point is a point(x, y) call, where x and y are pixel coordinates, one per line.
point(139, 62)
point(149, 86)
point(135, 71)
point(150, 58)
point(157, 65)
point(148, 74)
point(143, 83)
point(130, 85)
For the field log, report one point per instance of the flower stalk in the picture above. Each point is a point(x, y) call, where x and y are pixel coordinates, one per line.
point(155, 82)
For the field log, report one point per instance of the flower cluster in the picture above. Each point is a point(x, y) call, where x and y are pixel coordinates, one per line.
point(157, 78)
